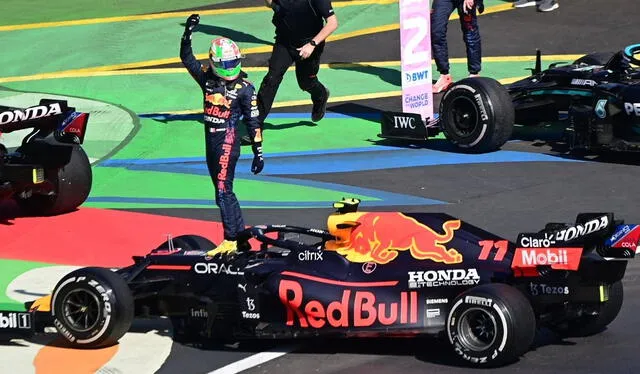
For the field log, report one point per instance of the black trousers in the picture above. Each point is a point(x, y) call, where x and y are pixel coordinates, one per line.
point(281, 59)
point(223, 151)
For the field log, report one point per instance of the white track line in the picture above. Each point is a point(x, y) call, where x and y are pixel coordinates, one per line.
point(254, 360)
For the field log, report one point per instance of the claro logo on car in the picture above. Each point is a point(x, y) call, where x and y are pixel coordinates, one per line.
point(548, 239)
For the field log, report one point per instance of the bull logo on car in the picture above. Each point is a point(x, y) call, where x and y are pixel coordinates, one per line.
point(378, 237)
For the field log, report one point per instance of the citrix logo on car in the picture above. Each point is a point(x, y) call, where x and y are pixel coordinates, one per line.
point(31, 113)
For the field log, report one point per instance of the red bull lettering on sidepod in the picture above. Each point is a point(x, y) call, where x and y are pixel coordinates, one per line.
point(378, 237)
point(355, 308)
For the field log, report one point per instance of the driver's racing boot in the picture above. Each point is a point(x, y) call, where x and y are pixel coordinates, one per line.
point(443, 83)
point(225, 248)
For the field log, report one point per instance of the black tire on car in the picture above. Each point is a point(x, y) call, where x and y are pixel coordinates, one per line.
point(92, 307)
point(599, 58)
point(189, 243)
point(491, 325)
point(477, 114)
point(593, 324)
point(72, 185)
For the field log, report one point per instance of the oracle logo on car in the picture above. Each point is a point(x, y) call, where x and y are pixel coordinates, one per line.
point(557, 258)
point(354, 309)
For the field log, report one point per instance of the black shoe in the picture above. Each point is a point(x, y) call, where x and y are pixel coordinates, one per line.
point(320, 107)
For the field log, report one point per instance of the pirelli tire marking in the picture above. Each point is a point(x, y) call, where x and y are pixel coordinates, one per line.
point(482, 116)
point(454, 335)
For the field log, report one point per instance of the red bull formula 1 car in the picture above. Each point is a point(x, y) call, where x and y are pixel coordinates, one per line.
point(368, 274)
point(49, 173)
point(596, 98)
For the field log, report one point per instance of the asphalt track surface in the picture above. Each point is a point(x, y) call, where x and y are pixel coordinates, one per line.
point(505, 198)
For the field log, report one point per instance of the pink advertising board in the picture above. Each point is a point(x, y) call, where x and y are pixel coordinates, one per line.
point(415, 42)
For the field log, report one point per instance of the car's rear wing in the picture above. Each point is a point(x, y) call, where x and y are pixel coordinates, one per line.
point(599, 232)
point(49, 118)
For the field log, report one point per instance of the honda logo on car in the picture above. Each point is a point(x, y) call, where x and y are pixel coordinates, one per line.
point(215, 268)
point(587, 228)
point(34, 112)
point(448, 277)
point(566, 234)
point(558, 258)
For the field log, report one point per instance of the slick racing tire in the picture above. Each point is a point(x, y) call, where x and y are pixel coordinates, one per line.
point(600, 58)
point(477, 115)
point(92, 307)
point(491, 325)
point(189, 243)
point(591, 325)
point(72, 185)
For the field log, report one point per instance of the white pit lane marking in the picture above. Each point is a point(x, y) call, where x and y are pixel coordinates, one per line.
point(254, 360)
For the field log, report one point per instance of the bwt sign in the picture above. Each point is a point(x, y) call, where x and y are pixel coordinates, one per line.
point(415, 52)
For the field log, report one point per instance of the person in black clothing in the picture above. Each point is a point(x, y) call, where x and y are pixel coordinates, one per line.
point(227, 96)
point(300, 37)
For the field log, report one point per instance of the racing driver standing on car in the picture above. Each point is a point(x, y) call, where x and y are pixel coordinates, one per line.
point(227, 96)
point(440, 12)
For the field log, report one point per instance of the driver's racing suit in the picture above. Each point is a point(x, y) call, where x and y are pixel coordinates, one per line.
point(224, 103)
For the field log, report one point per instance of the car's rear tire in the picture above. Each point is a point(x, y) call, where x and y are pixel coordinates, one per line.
point(92, 307)
point(599, 58)
point(594, 324)
point(491, 325)
point(71, 186)
point(477, 115)
point(189, 243)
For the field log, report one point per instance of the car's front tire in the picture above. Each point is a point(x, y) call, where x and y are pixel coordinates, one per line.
point(92, 307)
point(491, 325)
